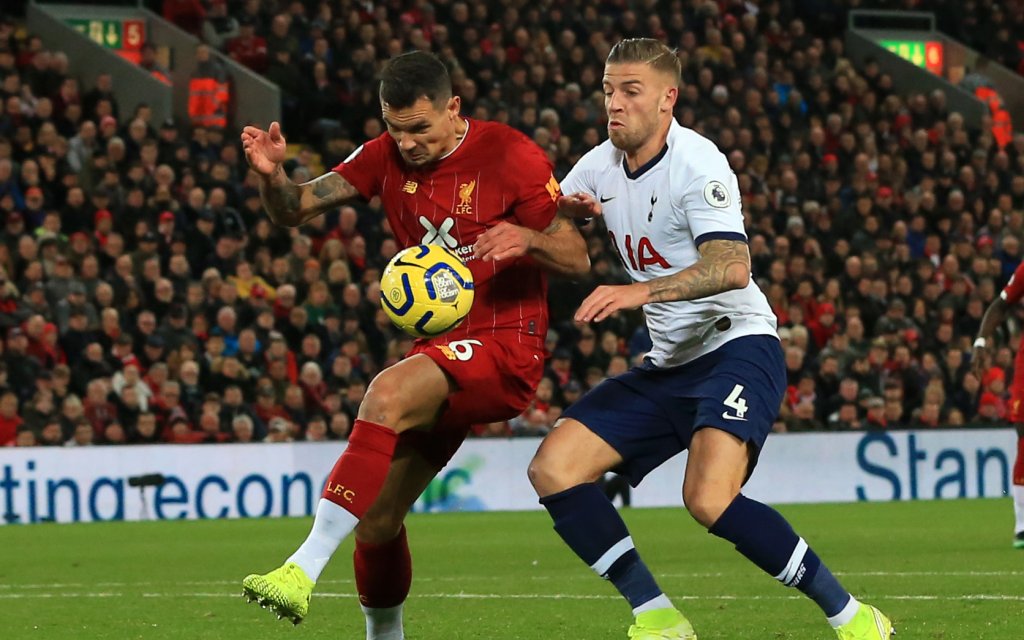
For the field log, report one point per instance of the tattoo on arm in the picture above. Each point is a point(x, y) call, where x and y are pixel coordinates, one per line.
point(724, 265)
point(293, 204)
point(560, 248)
point(555, 225)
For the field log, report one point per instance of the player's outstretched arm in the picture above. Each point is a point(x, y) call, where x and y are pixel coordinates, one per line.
point(994, 316)
point(287, 203)
point(724, 265)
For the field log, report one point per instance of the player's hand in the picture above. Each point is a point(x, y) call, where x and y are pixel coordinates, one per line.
point(580, 206)
point(606, 300)
point(264, 150)
point(503, 241)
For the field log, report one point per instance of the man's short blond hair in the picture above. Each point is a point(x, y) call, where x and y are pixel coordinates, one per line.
point(647, 51)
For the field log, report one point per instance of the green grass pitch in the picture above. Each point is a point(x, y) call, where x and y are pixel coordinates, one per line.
point(941, 570)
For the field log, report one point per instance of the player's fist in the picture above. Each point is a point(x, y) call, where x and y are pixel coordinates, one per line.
point(503, 241)
point(264, 150)
point(579, 206)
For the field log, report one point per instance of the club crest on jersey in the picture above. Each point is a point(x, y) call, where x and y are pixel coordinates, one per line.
point(716, 194)
point(465, 206)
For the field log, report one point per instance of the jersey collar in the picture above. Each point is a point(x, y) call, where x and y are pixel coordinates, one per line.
point(456, 147)
point(645, 167)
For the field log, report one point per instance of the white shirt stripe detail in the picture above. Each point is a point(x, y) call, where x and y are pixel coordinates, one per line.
point(616, 551)
point(793, 566)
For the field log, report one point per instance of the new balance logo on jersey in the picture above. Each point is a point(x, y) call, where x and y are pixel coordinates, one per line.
point(644, 256)
point(441, 235)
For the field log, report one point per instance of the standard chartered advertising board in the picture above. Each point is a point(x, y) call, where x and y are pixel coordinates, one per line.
point(273, 480)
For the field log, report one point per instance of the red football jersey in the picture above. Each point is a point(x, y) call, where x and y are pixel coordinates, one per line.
point(495, 174)
point(1012, 294)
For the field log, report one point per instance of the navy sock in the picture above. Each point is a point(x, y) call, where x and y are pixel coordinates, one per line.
point(590, 525)
point(762, 535)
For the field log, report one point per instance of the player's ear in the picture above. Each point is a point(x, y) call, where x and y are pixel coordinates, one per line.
point(454, 107)
point(670, 97)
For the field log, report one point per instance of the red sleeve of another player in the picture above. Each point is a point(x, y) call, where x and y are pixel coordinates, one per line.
point(365, 168)
point(1014, 289)
point(534, 185)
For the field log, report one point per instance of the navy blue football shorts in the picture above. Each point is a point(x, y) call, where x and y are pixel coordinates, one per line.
point(649, 415)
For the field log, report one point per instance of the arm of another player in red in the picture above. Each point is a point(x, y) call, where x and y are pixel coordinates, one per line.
point(994, 316)
point(540, 232)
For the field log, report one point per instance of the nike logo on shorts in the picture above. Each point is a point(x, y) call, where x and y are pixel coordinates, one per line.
point(725, 414)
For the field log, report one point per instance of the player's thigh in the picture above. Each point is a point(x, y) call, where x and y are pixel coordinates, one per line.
point(570, 455)
point(632, 414)
point(409, 394)
point(410, 473)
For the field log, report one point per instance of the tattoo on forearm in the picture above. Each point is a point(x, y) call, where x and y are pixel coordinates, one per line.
point(555, 225)
point(715, 272)
point(292, 204)
point(281, 199)
point(561, 248)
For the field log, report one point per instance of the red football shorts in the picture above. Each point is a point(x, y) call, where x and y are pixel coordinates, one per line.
point(497, 376)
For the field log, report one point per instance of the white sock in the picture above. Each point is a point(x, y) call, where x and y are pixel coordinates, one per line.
point(660, 602)
point(1018, 506)
point(844, 616)
point(331, 525)
point(383, 624)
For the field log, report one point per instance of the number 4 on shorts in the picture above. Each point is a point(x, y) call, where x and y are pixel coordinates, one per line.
point(737, 403)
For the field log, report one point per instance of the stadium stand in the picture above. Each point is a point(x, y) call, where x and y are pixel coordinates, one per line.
point(145, 295)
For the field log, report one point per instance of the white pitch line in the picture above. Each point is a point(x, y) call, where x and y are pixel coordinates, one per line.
point(990, 597)
point(580, 577)
point(46, 596)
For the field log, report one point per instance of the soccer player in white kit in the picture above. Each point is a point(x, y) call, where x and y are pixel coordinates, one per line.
point(714, 380)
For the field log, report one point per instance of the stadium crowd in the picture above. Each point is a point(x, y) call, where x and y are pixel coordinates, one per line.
point(145, 296)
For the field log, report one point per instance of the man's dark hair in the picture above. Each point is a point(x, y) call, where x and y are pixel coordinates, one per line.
point(411, 76)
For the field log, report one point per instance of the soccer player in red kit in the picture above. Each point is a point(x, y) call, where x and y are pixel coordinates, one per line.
point(486, 192)
point(1010, 296)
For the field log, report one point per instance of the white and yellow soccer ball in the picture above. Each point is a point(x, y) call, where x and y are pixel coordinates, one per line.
point(426, 290)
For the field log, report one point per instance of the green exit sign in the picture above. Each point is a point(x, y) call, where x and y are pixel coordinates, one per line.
point(112, 34)
point(925, 54)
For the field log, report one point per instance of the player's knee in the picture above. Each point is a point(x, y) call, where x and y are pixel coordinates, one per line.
point(378, 528)
point(548, 475)
point(704, 505)
point(383, 403)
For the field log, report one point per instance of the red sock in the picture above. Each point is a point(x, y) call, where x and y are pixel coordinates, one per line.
point(1018, 465)
point(383, 572)
point(359, 474)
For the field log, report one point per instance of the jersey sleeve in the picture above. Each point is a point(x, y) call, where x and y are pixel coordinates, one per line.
point(365, 168)
point(580, 178)
point(1014, 289)
point(534, 184)
point(711, 199)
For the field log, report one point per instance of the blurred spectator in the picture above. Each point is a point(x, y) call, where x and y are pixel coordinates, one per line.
point(137, 252)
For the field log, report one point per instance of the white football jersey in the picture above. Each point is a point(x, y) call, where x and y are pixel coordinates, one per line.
point(657, 216)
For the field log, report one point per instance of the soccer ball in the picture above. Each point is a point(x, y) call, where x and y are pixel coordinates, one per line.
point(426, 290)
